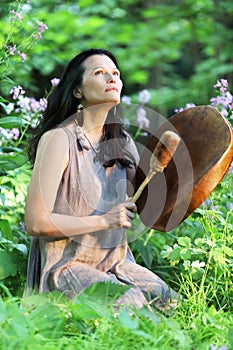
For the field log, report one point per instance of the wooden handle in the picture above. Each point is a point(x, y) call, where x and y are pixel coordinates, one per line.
point(160, 158)
point(164, 151)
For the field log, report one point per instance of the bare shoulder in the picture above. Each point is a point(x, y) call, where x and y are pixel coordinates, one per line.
point(56, 136)
point(54, 144)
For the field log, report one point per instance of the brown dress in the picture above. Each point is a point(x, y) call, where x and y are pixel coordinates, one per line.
point(70, 265)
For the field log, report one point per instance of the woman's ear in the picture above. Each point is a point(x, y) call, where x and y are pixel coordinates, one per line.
point(77, 92)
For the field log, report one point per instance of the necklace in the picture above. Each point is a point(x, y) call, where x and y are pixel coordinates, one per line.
point(92, 147)
point(82, 138)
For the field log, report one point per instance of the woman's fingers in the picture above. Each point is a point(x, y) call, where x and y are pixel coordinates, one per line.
point(121, 215)
point(131, 206)
point(130, 214)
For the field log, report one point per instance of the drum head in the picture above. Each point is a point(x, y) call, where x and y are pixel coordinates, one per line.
point(201, 160)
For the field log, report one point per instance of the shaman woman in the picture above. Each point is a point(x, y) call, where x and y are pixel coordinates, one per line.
point(83, 169)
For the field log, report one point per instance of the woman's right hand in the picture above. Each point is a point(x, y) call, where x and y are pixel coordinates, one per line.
point(121, 215)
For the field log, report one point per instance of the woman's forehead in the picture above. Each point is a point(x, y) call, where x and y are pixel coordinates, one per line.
point(98, 61)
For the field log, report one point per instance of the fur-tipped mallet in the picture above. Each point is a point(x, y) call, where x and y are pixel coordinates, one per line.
point(160, 158)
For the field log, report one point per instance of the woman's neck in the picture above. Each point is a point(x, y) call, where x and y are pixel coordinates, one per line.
point(94, 119)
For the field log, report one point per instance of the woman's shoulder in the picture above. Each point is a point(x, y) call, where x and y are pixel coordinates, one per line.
point(57, 134)
point(54, 138)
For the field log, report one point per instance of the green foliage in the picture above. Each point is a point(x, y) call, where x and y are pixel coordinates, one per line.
point(49, 321)
point(177, 51)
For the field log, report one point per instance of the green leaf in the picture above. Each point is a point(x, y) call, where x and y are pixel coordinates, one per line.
point(147, 255)
point(230, 338)
point(5, 228)
point(218, 256)
point(127, 321)
point(184, 241)
point(48, 319)
point(2, 311)
point(105, 291)
point(12, 161)
point(185, 254)
point(7, 266)
point(228, 251)
point(11, 122)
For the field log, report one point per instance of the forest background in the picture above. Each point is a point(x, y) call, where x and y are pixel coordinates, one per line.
point(174, 52)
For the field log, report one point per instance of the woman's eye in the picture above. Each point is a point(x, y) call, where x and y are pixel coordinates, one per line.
point(99, 72)
point(116, 72)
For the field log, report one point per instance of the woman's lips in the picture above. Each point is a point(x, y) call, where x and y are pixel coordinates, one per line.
point(112, 89)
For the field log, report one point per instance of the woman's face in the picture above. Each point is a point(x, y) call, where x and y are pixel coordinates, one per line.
point(101, 81)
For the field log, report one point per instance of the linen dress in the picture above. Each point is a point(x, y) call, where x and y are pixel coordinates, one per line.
point(70, 265)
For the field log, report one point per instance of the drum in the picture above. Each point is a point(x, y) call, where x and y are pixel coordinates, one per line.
point(201, 160)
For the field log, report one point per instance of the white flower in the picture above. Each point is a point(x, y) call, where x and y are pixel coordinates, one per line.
point(142, 119)
point(144, 96)
point(197, 264)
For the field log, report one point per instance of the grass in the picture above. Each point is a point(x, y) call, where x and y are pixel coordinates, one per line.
point(50, 322)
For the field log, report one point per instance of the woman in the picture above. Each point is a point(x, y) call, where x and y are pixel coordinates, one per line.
point(76, 210)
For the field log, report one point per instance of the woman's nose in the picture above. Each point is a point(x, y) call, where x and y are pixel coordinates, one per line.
point(110, 78)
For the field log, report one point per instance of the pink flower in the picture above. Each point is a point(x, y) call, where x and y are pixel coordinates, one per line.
point(17, 16)
point(16, 91)
point(42, 27)
point(22, 55)
point(222, 83)
point(15, 132)
point(11, 49)
point(55, 81)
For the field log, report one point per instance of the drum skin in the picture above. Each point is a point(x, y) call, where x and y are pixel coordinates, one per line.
point(201, 160)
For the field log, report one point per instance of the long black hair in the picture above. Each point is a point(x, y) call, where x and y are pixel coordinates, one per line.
point(62, 104)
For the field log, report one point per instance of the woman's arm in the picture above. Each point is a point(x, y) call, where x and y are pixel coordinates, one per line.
point(51, 161)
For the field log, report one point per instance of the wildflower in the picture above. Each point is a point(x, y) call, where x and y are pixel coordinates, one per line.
point(22, 226)
point(206, 203)
point(213, 347)
point(223, 102)
point(22, 55)
point(17, 16)
point(42, 27)
point(43, 103)
point(15, 132)
point(16, 91)
point(55, 81)
point(11, 49)
point(9, 108)
point(126, 99)
point(24, 104)
point(222, 84)
point(187, 106)
point(230, 206)
point(142, 120)
point(144, 96)
point(197, 264)
point(5, 134)
point(177, 110)
point(29, 106)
